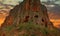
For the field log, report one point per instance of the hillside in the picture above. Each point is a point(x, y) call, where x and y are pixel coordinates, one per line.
point(29, 18)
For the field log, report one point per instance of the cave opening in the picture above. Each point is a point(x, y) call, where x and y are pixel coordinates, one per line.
point(36, 16)
point(26, 19)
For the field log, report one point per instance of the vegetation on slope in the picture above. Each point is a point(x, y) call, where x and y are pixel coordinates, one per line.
point(28, 29)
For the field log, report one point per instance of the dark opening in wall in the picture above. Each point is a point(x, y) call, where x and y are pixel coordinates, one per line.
point(36, 16)
point(42, 20)
point(26, 19)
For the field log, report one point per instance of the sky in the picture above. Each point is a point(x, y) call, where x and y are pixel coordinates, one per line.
point(14, 2)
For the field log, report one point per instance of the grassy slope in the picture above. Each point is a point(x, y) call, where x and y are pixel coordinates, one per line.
point(28, 29)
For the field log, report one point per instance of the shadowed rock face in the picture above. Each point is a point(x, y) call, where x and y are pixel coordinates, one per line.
point(28, 11)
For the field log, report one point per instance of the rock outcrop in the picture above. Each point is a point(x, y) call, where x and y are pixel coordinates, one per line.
point(28, 11)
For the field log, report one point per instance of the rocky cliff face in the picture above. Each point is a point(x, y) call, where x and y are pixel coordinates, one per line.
point(29, 11)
